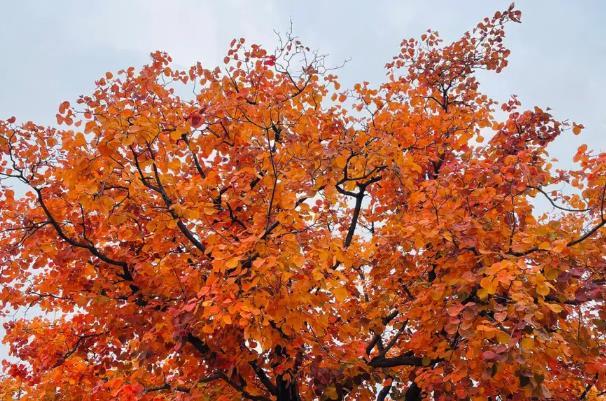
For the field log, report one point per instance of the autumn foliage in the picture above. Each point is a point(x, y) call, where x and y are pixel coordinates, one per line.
point(257, 232)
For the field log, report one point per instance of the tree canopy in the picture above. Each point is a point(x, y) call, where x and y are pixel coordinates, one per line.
point(256, 232)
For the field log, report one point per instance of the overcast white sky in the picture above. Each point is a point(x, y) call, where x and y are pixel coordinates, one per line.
point(54, 50)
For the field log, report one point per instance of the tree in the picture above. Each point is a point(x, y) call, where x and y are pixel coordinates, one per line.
point(274, 237)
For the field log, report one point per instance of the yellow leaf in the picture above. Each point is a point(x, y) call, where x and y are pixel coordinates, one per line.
point(527, 344)
point(340, 162)
point(331, 393)
point(555, 308)
point(542, 289)
point(174, 164)
point(287, 200)
point(340, 293)
point(80, 140)
point(176, 135)
point(489, 285)
point(128, 140)
point(551, 274)
point(503, 338)
point(192, 214)
point(317, 275)
point(232, 263)
point(447, 236)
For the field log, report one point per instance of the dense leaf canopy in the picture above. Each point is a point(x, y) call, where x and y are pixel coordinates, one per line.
point(256, 232)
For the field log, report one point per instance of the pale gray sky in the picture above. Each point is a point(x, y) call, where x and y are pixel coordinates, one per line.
point(54, 50)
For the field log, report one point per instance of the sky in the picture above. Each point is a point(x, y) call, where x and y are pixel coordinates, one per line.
point(55, 50)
